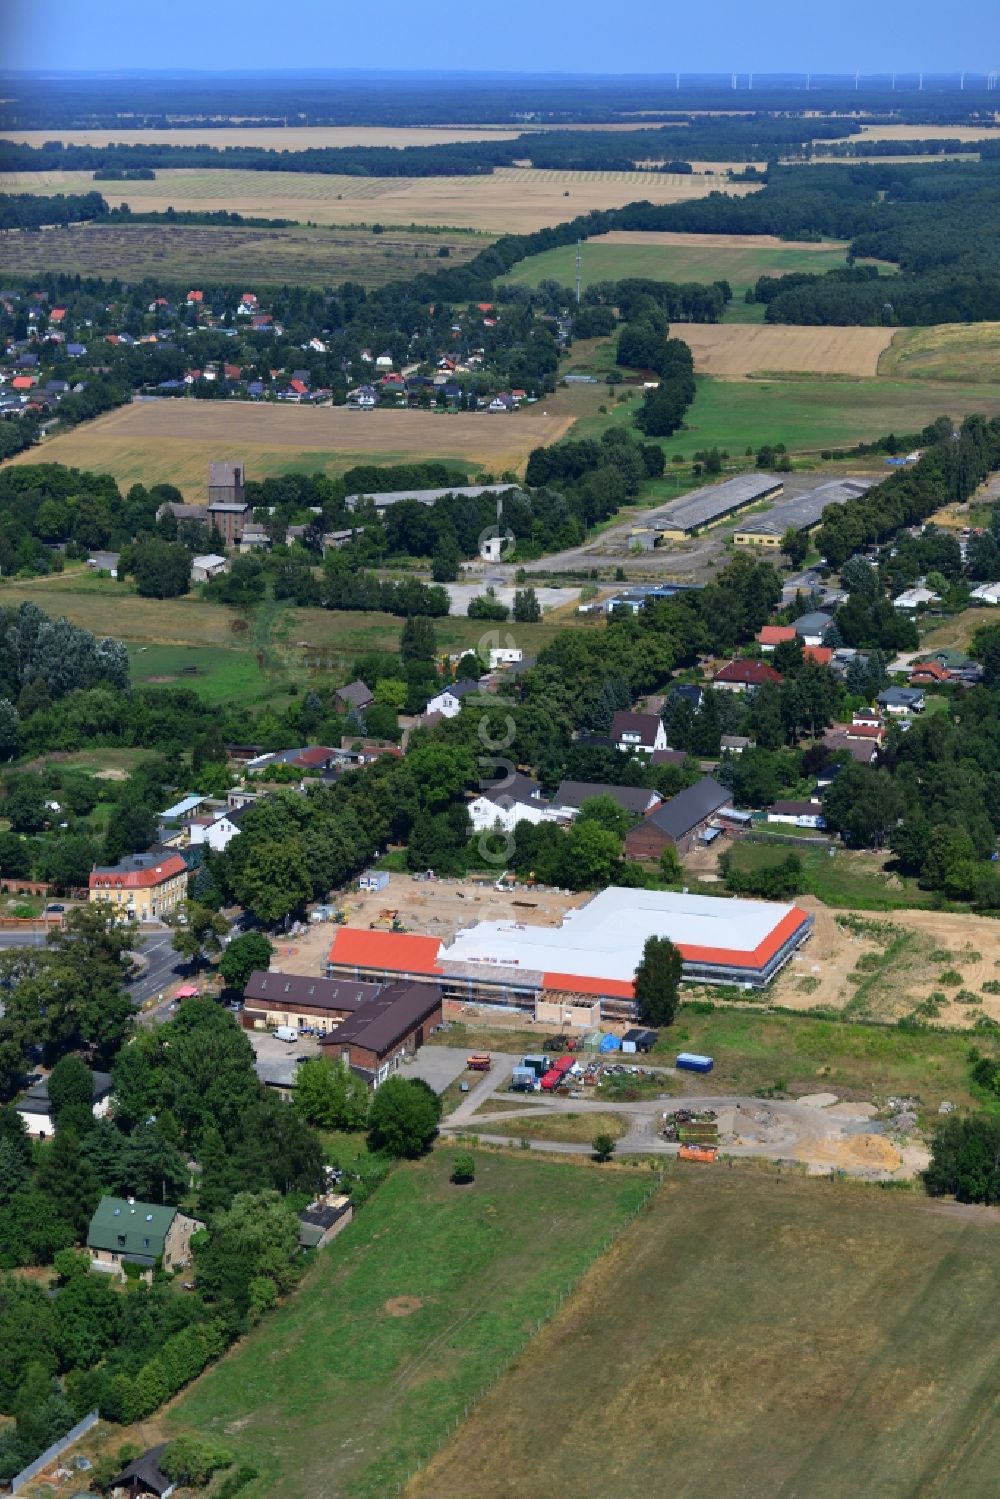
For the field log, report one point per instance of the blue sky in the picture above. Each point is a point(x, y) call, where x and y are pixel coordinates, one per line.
point(523, 35)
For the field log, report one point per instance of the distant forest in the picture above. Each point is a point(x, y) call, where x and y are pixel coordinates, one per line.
point(193, 102)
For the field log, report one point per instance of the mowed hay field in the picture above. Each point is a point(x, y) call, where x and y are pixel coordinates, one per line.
point(174, 441)
point(404, 1319)
point(951, 351)
point(756, 1336)
point(735, 350)
point(664, 256)
point(508, 201)
point(297, 256)
point(273, 137)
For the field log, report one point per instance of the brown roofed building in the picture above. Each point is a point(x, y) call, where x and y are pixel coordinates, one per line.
point(678, 822)
point(384, 1029)
point(226, 484)
point(292, 999)
point(737, 676)
point(638, 731)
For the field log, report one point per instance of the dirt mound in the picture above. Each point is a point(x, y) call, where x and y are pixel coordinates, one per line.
point(402, 1306)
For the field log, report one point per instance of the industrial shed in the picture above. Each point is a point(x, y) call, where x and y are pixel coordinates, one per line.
point(798, 513)
point(706, 506)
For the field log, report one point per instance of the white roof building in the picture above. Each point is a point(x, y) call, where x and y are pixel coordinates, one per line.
point(916, 598)
point(986, 593)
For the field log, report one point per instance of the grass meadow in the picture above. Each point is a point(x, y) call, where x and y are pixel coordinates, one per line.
point(297, 256)
point(756, 1336)
point(738, 259)
point(953, 351)
point(403, 1320)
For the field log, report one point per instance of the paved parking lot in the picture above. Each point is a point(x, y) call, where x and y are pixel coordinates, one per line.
point(437, 1065)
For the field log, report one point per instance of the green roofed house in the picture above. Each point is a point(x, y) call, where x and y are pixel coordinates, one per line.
point(124, 1231)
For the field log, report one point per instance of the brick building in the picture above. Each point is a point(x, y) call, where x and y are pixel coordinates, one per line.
point(392, 1024)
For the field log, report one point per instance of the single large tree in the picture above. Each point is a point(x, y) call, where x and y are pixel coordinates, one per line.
point(657, 980)
point(244, 956)
point(403, 1118)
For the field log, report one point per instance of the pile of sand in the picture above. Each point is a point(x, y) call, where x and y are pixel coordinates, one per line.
point(856, 1150)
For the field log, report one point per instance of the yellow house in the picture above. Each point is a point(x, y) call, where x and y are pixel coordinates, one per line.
point(143, 887)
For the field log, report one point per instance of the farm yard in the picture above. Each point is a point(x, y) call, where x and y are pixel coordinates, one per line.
point(297, 256)
point(736, 351)
point(950, 351)
point(755, 1334)
point(405, 1318)
point(174, 441)
point(664, 256)
point(509, 200)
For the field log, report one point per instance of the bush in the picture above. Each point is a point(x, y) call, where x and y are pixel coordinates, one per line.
point(463, 1169)
point(192, 1461)
point(951, 977)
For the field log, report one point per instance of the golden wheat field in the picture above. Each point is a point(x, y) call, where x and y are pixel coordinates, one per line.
point(273, 137)
point(736, 350)
point(508, 201)
point(173, 442)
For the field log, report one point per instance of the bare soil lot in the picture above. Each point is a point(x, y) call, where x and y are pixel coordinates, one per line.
point(738, 350)
point(174, 441)
point(511, 200)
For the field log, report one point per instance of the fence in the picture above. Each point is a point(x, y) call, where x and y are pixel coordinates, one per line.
point(51, 1453)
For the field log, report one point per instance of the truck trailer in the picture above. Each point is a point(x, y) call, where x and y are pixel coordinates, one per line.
point(690, 1061)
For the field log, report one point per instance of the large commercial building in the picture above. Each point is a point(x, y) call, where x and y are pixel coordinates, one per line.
point(798, 513)
point(382, 499)
point(713, 503)
point(594, 952)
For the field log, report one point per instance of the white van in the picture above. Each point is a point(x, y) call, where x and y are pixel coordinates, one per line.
point(286, 1033)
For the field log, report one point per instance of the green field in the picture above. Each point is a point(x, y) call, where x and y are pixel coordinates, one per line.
point(717, 258)
point(803, 1053)
point(852, 881)
point(407, 1316)
point(756, 1336)
point(952, 351)
point(296, 256)
point(808, 415)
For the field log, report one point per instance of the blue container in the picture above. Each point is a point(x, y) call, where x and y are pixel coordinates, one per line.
point(690, 1061)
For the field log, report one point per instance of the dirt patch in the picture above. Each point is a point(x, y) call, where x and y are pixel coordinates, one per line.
point(169, 677)
point(852, 1151)
point(736, 350)
point(402, 1306)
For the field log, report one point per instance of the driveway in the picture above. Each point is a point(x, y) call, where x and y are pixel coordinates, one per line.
point(436, 1065)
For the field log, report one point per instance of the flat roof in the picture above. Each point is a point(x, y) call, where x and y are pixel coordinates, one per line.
point(803, 510)
point(714, 500)
point(602, 942)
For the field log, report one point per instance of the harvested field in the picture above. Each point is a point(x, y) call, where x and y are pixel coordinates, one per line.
point(950, 351)
point(735, 351)
point(930, 131)
point(664, 256)
point(272, 137)
point(752, 1336)
point(174, 441)
point(511, 200)
point(281, 257)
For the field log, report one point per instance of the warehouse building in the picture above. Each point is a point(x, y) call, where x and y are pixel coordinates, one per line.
point(798, 513)
point(384, 498)
point(593, 953)
point(707, 506)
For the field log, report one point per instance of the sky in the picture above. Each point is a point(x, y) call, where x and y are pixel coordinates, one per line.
point(588, 36)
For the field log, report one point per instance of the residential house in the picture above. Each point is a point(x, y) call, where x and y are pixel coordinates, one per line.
point(301, 1002)
point(643, 732)
point(735, 744)
point(126, 1232)
point(449, 701)
point(798, 814)
point(211, 565)
point(516, 799)
point(769, 637)
point(986, 593)
point(928, 674)
point(253, 536)
point(822, 655)
point(183, 808)
point(685, 692)
point(570, 797)
point(899, 702)
point(357, 695)
point(810, 628)
point(324, 1219)
point(501, 402)
point(679, 822)
point(143, 1476)
point(863, 750)
point(141, 887)
point(739, 676)
point(35, 1107)
point(912, 599)
point(216, 833)
point(76, 351)
point(505, 656)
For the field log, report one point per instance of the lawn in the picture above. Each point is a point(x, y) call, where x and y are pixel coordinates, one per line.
point(804, 1054)
point(755, 1336)
point(550, 1124)
point(403, 1320)
point(738, 259)
point(222, 675)
point(808, 415)
point(856, 881)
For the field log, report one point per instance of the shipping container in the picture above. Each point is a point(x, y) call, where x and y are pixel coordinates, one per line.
point(705, 1153)
point(690, 1061)
point(538, 1065)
